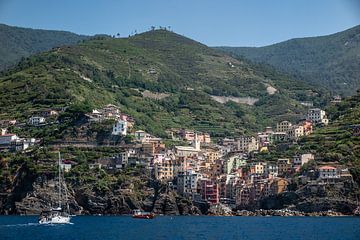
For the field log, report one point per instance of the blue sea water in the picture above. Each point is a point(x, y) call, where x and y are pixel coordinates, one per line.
point(189, 227)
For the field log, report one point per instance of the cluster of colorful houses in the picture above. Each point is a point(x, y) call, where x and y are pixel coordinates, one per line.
point(229, 171)
point(12, 142)
point(224, 172)
point(122, 122)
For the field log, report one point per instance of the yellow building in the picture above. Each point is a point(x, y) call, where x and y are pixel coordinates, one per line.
point(258, 168)
point(211, 154)
point(279, 185)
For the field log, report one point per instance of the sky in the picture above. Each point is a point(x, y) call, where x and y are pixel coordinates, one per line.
point(212, 22)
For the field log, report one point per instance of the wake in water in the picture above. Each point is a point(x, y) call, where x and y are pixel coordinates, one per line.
point(20, 225)
point(31, 224)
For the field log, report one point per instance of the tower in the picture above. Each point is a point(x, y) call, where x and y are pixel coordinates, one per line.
point(197, 142)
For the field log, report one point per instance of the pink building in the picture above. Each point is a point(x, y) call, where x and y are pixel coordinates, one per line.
point(209, 191)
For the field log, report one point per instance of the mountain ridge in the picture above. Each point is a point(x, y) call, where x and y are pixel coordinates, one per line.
point(19, 42)
point(329, 61)
point(117, 70)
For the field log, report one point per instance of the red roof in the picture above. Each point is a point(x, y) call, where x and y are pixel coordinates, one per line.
point(7, 135)
point(327, 168)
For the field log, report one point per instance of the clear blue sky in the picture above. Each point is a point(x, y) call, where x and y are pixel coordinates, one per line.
point(213, 22)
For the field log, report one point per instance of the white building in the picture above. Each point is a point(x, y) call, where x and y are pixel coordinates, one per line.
point(327, 172)
point(188, 151)
point(66, 167)
point(36, 120)
point(6, 139)
point(316, 115)
point(119, 128)
point(21, 144)
point(187, 182)
point(271, 169)
point(295, 132)
point(300, 160)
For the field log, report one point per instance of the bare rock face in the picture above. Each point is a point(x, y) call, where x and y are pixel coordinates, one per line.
point(315, 199)
point(166, 204)
point(18, 189)
point(343, 206)
point(165, 201)
point(105, 203)
point(43, 197)
point(220, 210)
point(186, 207)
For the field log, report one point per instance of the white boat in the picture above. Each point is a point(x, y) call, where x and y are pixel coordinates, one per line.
point(143, 215)
point(54, 216)
point(57, 215)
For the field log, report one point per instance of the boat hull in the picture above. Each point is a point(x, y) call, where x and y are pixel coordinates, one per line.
point(55, 220)
point(144, 216)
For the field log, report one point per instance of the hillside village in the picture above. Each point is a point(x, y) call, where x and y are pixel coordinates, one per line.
point(188, 125)
point(236, 172)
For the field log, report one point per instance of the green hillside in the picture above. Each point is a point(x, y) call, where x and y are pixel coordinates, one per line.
point(16, 42)
point(331, 61)
point(117, 70)
point(340, 140)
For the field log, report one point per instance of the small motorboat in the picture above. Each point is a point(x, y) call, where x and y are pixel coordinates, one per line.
point(142, 215)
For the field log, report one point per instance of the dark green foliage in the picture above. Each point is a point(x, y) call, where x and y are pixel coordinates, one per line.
point(17, 43)
point(80, 108)
point(329, 61)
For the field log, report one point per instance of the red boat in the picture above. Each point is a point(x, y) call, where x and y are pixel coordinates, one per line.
point(143, 215)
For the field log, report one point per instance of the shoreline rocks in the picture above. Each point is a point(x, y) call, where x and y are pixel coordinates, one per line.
point(288, 213)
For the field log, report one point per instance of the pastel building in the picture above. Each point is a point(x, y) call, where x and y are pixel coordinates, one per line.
point(36, 120)
point(120, 127)
point(316, 115)
point(328, 172)
point(209, 191)
point(300, 160)
point(295, 132)
point(187, 182)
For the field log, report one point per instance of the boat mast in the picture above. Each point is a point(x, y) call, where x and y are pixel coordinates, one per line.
point(59, 183)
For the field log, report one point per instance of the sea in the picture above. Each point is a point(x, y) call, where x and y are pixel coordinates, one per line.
point(183, 227)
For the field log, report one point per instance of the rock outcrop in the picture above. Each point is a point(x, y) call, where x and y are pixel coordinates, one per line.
point(32, 195)
point(337, 197)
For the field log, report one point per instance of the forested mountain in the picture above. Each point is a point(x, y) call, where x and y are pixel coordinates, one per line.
point(160, 78)
point(331, 61)
point(16, 42)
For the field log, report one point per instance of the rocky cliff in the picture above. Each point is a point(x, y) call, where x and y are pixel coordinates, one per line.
point(30, 194)
point(339, 197)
